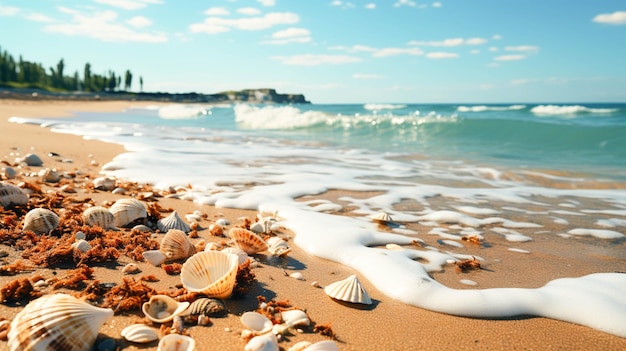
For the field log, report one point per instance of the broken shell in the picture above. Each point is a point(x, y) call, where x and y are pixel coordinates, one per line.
point(206, 306)
point(247, 240)
point(162, 308)
point(278, 246)
point(258, 323)
point(81, 245)
point(242, 255)
point(57, 322)
point(139, 333)
point(176, 342)
point(295, 318)
point(100, 216)
point(126, 211)
point(212, 273)
point(131, 268)
point(175, 245)
point(178, 325)
point(265, 342)
point(40, 220)
point(349, 289)
point(324, 345)
point(173, 221)
point(104, 183)
point(12, 195)
point(154, 257)
point(32, 160)
point(382, 218)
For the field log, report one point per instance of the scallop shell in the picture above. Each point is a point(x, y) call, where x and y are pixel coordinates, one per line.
point(173, 221)
point(12, 195)
point(278, 246)
point(176, 342)
point(154, 257)
point(126, 211)
point(265, 342)
point(40, 220)
point(349, 289)
point(256, 322)
point(32, 160)
point(212, 273)
point(162, 308)
point(382, 217)
point(57, 322)
point(175, 245)
point(206, 306)
point(100, 216)
point(247, 240)
point(139, 333)
point(295, 318)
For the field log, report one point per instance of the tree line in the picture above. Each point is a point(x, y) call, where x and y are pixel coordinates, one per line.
point(26, 74)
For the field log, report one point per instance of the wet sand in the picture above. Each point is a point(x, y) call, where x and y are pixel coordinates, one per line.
point(385, 325)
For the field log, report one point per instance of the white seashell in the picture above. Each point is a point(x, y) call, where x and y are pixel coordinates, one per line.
point(212, 246)
point(104, 183)
point(32, 160)
point(175, 245)
point(324, 345)
point(131, 268)
point(12, 195)
point(295, 318)
point(212, 273)
point(300, 346)
point(382, 217)
point(349, 289)
point(119, 191)
point(280, 329)
point(242, 255)
point(176, 342)
point(178, 325)
point(57, 322)
point(394, 247)
point(142, 228)
point(196, 216)
point(81, 245)
point(265, 342)
point(154, 257)
point(162, 308)
point(297, 275)
point(278, 246)
point(247, 240)
point(222, 222)
point(100, 216)
point(139, 333)
point(49, 175)
point(40, 220)
point(173, 221)
point(258, 323)
point(126, 211)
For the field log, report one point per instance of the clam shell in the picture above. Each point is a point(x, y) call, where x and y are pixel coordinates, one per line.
point(176, 342)
point(173, 221)
point(206, 306)
point(139, 333)
point(175, 245)
point(349, 289)
point(126, 211)
point(57, 322)
point(12, 195)
point(154, 257)
point(40, 220)
point(162, 308)
point(256, 322)
point(295, 318)
point(265, 342)
point(278, 246)
point(100, 216)
point(212, 273)
point(247, 240)
point(382, 217)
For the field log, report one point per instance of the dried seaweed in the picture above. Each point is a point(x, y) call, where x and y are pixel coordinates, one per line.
point(128, 296)
point(18, 290)
point(245, 279)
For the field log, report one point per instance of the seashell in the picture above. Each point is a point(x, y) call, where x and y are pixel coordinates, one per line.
point(196, 216)
point(173, 221)
point(242, 255)
point(297, 275)
point(126, 211)
point(139, 333)
point(57, 322)
point(300, 346)
point(324, 345)
point(258, 323)
point(154, 257)
point(295, 318)
point(12, 195)
point(50, 175)
point(142, 228)
point(349, 289)
point(222, 222)
point(131, 268)
point(265, 342)
point(247, 240)
point(206, 306)
point(175, 245)
point(104, 183)
point(176, 342)
point(382, 218)
point(278, 246)
point(40, 220)
point(162, 308)
point(118, 191)
point(212, 273)
point(32, 160)
point(178, 325)
point(81, 245)
point(100, 216)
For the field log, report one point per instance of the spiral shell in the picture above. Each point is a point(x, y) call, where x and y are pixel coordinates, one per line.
point(206, 306)
point(40, 220)
point(57, 322)
point(247, 240)
point(100, 216)
point(176, 246)
point(278, 246)
point(162, 308)
point(349, 290)
point(12, 195)
point(212, 273)
point(139, 333)
point(127, 211)
point(173, 221)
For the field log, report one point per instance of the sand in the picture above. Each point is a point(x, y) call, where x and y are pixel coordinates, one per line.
point(384, 325)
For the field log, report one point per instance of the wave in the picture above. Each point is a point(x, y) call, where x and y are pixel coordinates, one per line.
point(378, 107)
point(482, 108)
point(181, 111)
point(551, 110)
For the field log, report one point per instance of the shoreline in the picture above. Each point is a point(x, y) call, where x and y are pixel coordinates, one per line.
point(388, 324)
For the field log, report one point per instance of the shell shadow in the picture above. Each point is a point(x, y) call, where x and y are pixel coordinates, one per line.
point(249, 302)
point(358, 306)
point(287, 262)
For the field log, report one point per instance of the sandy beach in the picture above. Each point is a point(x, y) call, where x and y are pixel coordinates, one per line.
point(385, 325)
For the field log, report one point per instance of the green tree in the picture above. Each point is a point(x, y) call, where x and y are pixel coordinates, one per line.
point(87, 83)
point(128, 79)
point(141, 83)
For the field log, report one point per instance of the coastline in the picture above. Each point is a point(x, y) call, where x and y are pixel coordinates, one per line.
point(388, 324)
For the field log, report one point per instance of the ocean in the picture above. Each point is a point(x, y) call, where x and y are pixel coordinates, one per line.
point(517, 172)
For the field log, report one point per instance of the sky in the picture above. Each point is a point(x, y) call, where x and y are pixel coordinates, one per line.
point(372, 51)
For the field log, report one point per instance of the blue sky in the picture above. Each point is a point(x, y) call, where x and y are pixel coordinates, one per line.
point(394, 51)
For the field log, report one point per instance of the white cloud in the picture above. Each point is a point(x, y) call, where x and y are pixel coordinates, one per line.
point(39, 17)
point(493, 49)
point(496, 37)
point(441, 55)
point(267, 3)
point(139, 22)
point(523, 48)
point(475, 41)
point(404, 3)
point(367, 76)
point(249, 11)
point(216, 11)
point(129, 4)
point(291, 35)
point(386, 52)
point(315, 60)
point(617, 17)
point(343, 5)
point(450, 42)
point(509, 57)
point(335, 3)
point(436, 4)
point(101, 26)
point(213, 25)
point(9, 10)
point(370, 6)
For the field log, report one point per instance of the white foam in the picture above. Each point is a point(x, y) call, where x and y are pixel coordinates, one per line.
point(482, 108)
point(378, 107)
point(568, 110)
point(598, 233)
